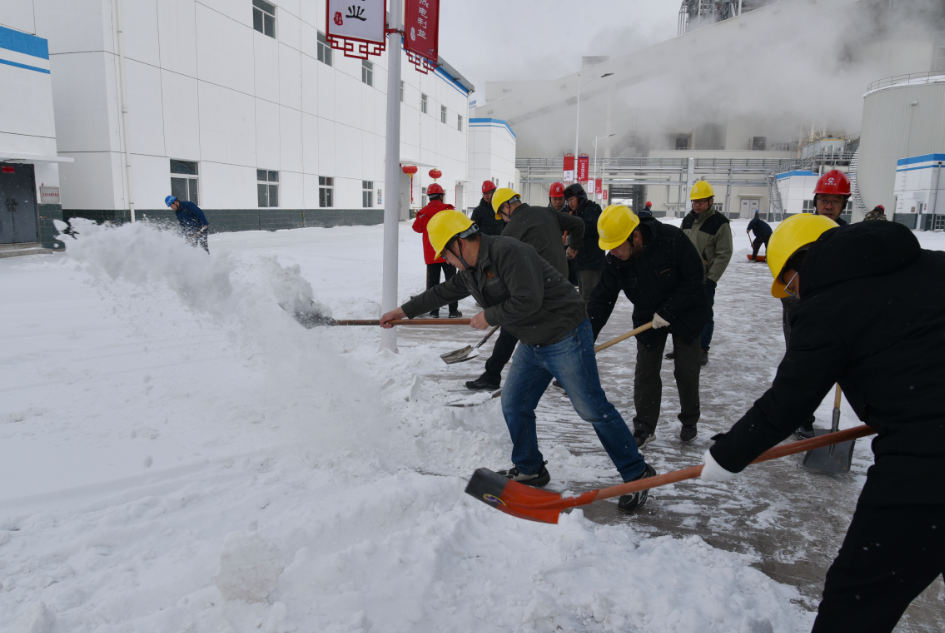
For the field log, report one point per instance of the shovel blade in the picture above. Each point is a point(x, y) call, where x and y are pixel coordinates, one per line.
point(519, 500)
point(459, 355)
point(831, 459)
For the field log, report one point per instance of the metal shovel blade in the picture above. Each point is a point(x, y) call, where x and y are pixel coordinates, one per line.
point(831, 459)
point(459, 355)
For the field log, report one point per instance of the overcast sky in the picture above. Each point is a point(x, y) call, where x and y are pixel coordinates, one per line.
point(496, 40)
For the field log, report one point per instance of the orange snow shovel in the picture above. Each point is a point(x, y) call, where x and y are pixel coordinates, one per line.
point(543, 506)
point(758, 258)
point(836, 458)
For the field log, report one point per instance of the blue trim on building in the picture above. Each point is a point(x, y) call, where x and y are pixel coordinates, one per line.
point(459, 87)
point(899, 171)
point(928, 158)
point(16, 65)
point(799, 172)
point(486, 122)
point(24, 43)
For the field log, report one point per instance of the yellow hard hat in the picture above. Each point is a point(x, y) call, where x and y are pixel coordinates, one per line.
point(615, 225)
point(444, 226)
point(500, 197)
point(794, 233)
point(701, 190)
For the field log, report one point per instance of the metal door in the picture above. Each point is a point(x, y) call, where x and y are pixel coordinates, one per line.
point(19, 219)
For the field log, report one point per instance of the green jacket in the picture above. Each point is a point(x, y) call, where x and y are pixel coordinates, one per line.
point(518, 289)
point(542, 228)
point(710, 233)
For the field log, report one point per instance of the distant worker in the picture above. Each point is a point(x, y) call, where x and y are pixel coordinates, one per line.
point(878, 213)
point(647, 211)
point(483, 215)
point(590, 258)
point(435, 264)
point(871, 318)
point(541, 228)
point(556, 203)
point(193, 222)
point(711, 234)
point(762, 232)
point(658, 269)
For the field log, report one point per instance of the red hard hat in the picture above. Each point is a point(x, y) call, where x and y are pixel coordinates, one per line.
point(434, 188)
point(649, 204)
point(488, 186)
point(881, 207)
point(834, 182)
point(557, 190)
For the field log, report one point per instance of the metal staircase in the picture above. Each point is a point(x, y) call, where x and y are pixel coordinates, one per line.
point(775, 205)
point(858, 204)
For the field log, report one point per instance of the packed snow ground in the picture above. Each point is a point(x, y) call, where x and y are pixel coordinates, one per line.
point(177, 454)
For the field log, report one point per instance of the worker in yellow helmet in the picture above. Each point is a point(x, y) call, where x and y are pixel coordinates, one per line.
point(709, 232)
point(871, 317)
point(532, 299)
point(660, 272)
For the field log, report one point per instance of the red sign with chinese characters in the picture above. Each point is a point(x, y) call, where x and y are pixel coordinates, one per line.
point(604, 194)
point(599, 186)
point(568, 168)
point(583, 167)
point(422, 27)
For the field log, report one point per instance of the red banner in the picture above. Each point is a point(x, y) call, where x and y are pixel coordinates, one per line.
point(604, 194)
point(422, 27)
point(583, 167)
point(568, 168)
point(599, 186)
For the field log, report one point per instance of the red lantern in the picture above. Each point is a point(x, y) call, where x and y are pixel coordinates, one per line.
point(435, 173)
point(410, 170)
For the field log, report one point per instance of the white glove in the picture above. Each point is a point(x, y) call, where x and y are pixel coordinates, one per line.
point(659, 322)
point(711, 471)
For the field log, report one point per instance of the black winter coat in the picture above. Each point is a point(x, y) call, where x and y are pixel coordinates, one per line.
point(760, 227)
point(871, 317)
point(666, 278)
point(590, 256)
point(542, 228)
point(484, 216)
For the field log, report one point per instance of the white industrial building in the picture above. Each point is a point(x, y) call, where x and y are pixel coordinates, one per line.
point(238, 104)
point(491, 155)
point(919, 192)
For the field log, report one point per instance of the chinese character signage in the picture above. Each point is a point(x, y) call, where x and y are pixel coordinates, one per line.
point(599, 186)
point(568, 169)
point(582, 171)
point(604, 195)
point(350, 21)
point(421, 30)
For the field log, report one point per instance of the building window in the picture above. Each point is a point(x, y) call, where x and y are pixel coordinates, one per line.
point(184, 180)
point(401, 92)
point(442, 114)
point(324, 49)
point(459, 122)
point(423, 103)
point(326, 187)
point(717, 206)
point(267, 188)
point(264, 18)
point(758, 143)
point(682, 141)
point(367, 193)
point(809, 206)
point(423, 196)
point(367, 72)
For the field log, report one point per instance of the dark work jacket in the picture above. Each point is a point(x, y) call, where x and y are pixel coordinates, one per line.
point(191, 217)
point(590, 256)
point(518, 289)
point(871, 317)
point(484, 216)
point(760, 227)
point(666, 278)
point(543, 228)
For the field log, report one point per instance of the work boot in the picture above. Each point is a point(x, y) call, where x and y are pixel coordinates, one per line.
point(434, 314)
point(538, 480)
point(804, 432)
point(629, 504)
point(643, 438)
point(456, 314)
point(688, 432)
point(671, 355)
point(485, 382)
point(704, 358)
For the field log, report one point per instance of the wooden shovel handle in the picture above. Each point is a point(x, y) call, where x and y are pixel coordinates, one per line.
point(836, 400)
point(624, 337)
point(405, 322)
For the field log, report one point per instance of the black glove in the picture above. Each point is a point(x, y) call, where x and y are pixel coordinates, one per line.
point(710, 283)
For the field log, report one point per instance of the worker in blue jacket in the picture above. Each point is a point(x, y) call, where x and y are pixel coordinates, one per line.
point(193, 222)
point(762, 234)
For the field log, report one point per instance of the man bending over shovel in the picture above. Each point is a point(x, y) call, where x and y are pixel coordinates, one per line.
point(524, 293)
point(886, 353)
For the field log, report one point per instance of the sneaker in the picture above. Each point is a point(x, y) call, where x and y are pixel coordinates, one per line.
point(538, 480)
point(671, 355)
point(804, 432)
point(688, 432)
point(456, 314)
point(629, 504)
point(704, 359)
point(485, 382)
point(434, 314)
point(643, 438)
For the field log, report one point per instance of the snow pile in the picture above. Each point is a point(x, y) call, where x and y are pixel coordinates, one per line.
point(203, 463)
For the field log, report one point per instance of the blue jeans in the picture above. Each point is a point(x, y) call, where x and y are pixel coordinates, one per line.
point(573, 362)
point(710, 324)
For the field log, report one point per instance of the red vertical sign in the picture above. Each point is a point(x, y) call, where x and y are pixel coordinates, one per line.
point(568, 168)
point(422, 28)
point(604, 195)
point(599, 186)
point(583, 167)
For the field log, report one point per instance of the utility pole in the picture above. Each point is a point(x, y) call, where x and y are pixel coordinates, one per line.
point(392, 174)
